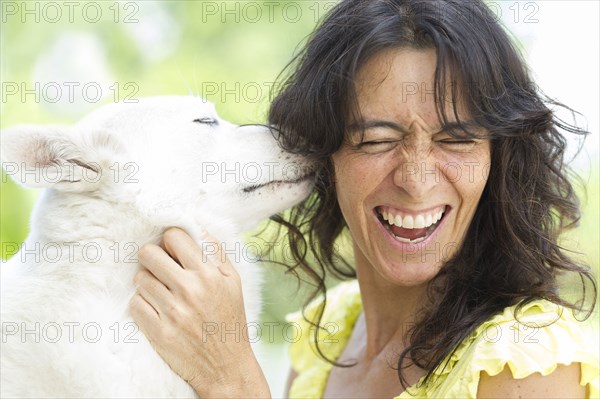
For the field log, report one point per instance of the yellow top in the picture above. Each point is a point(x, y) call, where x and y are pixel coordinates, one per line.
point(545, 336)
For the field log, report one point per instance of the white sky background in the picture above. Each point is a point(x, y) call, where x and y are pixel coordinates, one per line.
point(562, 45)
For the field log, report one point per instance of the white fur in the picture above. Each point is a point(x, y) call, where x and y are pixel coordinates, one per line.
point(115, 181)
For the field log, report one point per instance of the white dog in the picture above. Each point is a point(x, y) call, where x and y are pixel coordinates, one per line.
point(115, 181)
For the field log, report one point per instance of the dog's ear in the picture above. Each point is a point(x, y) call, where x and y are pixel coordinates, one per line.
point(47, 156)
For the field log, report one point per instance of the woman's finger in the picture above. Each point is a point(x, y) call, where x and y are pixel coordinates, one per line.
point(213, 252)
point(181, 247)
point(154, 291)
point(162, 266)
point(143, 313)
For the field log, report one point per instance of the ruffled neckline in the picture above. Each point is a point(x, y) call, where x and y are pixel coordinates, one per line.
point(345, 306)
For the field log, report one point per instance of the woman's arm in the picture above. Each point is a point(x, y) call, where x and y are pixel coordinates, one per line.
point(563, 383)
point(183, 295)
point(288, 385)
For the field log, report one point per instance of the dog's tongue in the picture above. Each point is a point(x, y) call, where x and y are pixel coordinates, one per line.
point(411, 234)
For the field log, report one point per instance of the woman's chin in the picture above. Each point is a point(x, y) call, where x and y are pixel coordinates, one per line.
point(409, 274)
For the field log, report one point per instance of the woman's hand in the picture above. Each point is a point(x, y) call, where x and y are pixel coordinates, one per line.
point(185, 300)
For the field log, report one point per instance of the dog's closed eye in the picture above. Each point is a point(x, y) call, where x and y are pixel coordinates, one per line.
point(207, 121)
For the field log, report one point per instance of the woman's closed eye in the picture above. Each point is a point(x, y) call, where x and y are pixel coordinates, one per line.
point(458, 145)
point(460, 136)
point(457, 141)
point(380, 145)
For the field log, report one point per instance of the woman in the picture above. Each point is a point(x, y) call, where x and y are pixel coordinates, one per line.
point(445, 165)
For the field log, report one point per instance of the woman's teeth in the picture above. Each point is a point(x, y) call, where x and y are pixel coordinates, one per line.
point(411, 228)
point(409, 222)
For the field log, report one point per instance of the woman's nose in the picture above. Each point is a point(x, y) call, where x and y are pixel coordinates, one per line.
point(418, 173)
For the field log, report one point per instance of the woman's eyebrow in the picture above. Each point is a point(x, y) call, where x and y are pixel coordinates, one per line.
point(470, 127)
point(450, 126)
point(371, 124)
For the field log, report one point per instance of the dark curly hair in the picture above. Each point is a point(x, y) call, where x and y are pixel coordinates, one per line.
point(511, 253)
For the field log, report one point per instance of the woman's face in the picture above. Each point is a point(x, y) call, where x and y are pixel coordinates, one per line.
point(408, 190)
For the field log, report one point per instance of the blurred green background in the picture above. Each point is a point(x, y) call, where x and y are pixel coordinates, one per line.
point(231, 53)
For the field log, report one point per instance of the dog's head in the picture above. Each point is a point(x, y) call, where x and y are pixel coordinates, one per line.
point(172, 158)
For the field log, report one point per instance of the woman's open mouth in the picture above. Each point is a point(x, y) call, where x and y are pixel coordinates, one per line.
point(410, 228)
